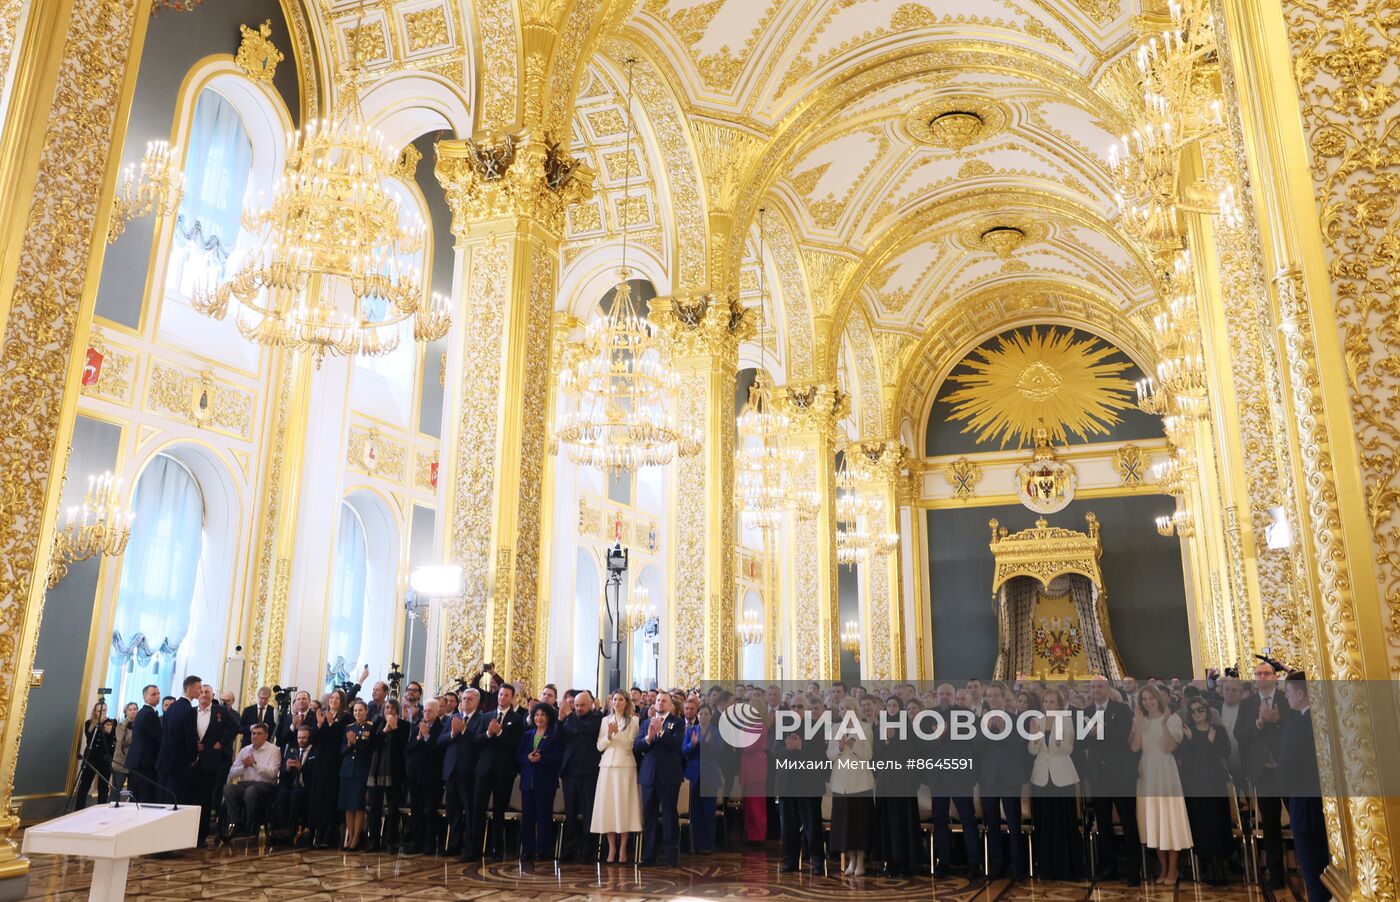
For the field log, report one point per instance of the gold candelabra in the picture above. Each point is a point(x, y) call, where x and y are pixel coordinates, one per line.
point(640, 609)
point(100, 525)
point(850, 639)
point(1180, 104)
point(750, 628)
point(1179, 523)
point(153, 189)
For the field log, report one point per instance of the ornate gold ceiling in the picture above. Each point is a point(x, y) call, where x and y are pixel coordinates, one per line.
point(823, 112)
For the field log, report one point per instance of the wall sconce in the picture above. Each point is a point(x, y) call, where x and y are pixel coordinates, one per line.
point(101, 525)
point(157, 188)
point(751, 628)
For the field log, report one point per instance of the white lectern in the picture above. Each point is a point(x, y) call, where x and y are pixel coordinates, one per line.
point(112, 836)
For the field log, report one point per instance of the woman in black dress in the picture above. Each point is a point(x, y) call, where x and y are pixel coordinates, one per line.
point(331, 720)
point(358, 741)
point(897, 833)
point(1203, 754)
point(387, 776)
point(95, 754)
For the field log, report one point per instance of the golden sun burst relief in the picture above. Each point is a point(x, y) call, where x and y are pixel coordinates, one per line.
point(1051, 379)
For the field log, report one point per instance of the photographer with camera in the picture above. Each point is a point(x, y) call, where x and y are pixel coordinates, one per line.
point(95, 753)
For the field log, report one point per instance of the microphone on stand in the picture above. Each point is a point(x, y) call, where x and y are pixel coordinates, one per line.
point(174, 801)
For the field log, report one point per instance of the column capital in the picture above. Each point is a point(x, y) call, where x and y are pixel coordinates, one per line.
point(705, 323)
point(881, 460)
point(813, 406)
point(515, 175)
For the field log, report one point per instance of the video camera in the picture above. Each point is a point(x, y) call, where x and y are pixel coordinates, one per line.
point(394, 677)
point(283, 696)
point(1275, 663)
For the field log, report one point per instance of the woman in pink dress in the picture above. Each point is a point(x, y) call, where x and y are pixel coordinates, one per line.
point(753, 773)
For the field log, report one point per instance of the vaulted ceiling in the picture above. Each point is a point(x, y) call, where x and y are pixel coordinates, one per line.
point(820, 110)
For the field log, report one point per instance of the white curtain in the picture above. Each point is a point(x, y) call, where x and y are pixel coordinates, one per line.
point(216, 179)
point(160, 580)
point(348, 605)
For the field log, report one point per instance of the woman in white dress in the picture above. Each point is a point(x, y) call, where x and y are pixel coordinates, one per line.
point(1162, 815)
point(617, 806)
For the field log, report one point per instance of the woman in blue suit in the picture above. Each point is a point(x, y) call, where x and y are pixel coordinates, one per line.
point(358, 741)
point(541, 753)
point(701, 748)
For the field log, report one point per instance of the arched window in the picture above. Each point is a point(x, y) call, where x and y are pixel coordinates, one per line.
point(216, 178)
point(351, 577)
point(160, 581)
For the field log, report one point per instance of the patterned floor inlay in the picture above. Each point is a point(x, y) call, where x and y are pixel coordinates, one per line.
point(244, 872)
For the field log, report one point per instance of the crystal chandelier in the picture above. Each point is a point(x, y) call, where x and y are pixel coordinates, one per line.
point(855, 510)
point(324, 271)
point(100, 525)
point(1180, 106)
point(154, 189)
point(766, 463)
point(618, 392)
point(750, 628)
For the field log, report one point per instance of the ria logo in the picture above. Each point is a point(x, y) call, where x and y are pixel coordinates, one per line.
point(741, 725)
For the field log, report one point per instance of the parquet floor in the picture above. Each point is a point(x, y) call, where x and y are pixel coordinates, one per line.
point(246, 871)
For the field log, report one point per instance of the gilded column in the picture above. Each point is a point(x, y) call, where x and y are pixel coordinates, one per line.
point(814, 409)
point(77, 67)
point(706, 331)
point(1323, 183)
point(880, 463)
point(507, 200)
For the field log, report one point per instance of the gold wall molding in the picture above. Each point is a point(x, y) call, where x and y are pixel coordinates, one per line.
point(83, 54)
point(201, 400)
point(1131, 463)
point(963, 475)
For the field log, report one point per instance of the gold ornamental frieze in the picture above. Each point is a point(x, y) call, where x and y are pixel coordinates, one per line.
point(201, 400)
point(704, 323)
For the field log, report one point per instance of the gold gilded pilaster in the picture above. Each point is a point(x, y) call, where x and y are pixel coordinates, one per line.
point(1319, 180)
point(814, 410)
point(564, 323)
point(881, 464)
point(706, 331)
point(507, 199)
point(283, 458)
point(76, 72)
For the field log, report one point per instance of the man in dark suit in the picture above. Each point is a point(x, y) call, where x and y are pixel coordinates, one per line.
point(145, 748)
point(298, 715)
point(1003, 766)
point(262, 713)
point(423, 762)
point(1110, 767)
point(207, 730)
point(1263, 715)
point(458, 771)
point(660, 774)
point(176, 756)
point(952, 788)
point(800, 772)
point(294, 786)
point(1298, 778)
point(580, 776)
point(497, 740)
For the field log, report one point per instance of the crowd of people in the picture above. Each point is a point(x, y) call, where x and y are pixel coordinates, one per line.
point(421, 775)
